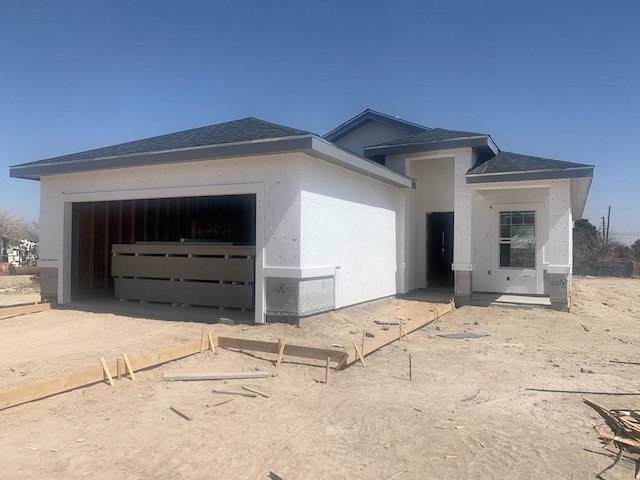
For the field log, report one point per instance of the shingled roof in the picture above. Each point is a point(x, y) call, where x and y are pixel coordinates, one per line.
point(435, 139)
point(433, 135)
point(507, 164)
point(244, 130)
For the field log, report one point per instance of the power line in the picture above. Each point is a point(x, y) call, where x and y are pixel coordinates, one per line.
point(627, 209)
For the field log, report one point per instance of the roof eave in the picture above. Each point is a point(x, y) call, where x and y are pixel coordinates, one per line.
point(309, 143)
point(325, 150)
point(224, 150)
point(483, 144)
point(577, 172)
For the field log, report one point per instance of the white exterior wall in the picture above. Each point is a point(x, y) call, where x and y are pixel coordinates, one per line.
point(434, 193)
point(273, 179)
point(488, 201)
point(560, 227)
point(462, 222)
point(351, 225)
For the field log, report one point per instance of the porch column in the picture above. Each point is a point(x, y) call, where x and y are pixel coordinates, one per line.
point(560, 248)
point(462, 246)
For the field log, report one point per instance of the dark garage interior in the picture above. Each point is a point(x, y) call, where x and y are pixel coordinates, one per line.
point(97, 226)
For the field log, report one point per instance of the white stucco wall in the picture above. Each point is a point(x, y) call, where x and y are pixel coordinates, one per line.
point(353, 224)
point(434, 193)
point(310, 215)
point(551, 200)
point(273, 179)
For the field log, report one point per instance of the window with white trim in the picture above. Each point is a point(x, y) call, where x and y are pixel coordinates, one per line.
point(518, 239)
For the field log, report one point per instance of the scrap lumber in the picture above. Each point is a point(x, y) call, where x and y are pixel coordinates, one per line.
point(242, 394)
point(625, 427)
point(12, 311)
point(222, 402)
point(581, 392)
point(253, 390)
point(182, 414)
point(187, 377)
point(391, 336)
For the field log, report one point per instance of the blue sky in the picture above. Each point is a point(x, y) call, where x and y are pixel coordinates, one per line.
point(557, 79)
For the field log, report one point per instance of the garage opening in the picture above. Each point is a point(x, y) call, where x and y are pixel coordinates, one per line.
point(190, 250)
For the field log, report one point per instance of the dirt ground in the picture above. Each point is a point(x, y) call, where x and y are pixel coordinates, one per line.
point(466, 413)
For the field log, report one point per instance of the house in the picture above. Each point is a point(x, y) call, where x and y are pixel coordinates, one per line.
point(253, 215)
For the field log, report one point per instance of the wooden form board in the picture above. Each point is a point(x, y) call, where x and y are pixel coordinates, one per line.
point(393, 334)
point(45, 388)
point(83, 378)
point(192, 293)
point(289, 349)
point(190, 268)
point(23, 309)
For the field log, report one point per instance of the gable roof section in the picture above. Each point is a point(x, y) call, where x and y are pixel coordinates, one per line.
point(508, 166)
point(238, 138)
point(246, 129)
point(433, 140)
point(367, 116)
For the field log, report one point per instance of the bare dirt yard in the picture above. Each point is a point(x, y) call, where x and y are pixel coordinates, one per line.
point(466, 413)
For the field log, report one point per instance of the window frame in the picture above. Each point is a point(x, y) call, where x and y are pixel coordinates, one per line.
point(523, 239)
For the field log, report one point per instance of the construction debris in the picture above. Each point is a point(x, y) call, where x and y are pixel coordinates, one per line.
point(253, 390)
point(462, 335)
point(625, 425)
point(242, 394)
point(188, 377)
point(183, 415)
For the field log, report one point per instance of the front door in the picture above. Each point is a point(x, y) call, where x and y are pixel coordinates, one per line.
point(439, 250)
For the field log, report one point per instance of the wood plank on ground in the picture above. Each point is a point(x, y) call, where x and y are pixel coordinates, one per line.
point(381, 340)
point(83, 378)
point(24, 309)
point(301, 351)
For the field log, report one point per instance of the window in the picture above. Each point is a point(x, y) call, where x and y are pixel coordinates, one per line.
point(518, 239)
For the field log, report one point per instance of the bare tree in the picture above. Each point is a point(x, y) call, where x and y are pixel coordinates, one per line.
point(16, 228)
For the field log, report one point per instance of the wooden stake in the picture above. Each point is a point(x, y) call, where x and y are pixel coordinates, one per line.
point(359, 354)
point(128, 364)
point(107, 372)
point(183, 415)
point(222, 402)
point(212, 347)
point(281, 344)
point(253, 390)
point(202, 341)
point(364, 334)
point(402, 332)
point(119, 368)
point(326, 372)
point(410, 372)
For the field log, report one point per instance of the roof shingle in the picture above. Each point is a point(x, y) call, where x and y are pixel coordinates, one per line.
point(246, 129)
point(508, 162)
point(433, 135)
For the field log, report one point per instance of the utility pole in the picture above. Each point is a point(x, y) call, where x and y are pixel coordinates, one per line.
point(606, 248)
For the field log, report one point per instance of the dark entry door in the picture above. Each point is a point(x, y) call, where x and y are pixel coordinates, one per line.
point(440, 250)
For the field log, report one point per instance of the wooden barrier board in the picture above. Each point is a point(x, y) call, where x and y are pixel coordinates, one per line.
point(24, 309)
